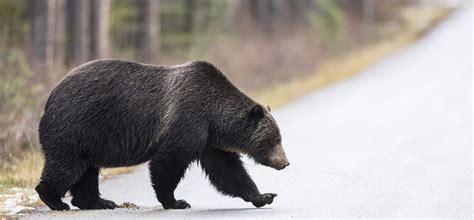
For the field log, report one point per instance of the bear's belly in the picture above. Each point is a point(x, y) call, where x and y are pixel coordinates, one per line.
point(110, 161)
point(123, 156)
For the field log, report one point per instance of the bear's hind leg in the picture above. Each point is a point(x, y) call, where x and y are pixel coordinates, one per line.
point(56, 180)
point(50, 196)
point(86, 194)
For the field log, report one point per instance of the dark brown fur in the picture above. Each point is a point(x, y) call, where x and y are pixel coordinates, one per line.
point(112, 113)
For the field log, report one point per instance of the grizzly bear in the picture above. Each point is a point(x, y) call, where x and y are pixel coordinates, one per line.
point(114, 113)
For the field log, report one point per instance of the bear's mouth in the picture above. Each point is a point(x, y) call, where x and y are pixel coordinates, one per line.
point(279, 167)
point(276, 158)
point(274, 166)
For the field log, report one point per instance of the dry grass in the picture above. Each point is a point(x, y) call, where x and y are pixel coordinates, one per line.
point(24, 171)
point(18, 180)
point(328, 72)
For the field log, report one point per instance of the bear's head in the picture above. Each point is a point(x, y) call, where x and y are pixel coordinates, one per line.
point(255, 133)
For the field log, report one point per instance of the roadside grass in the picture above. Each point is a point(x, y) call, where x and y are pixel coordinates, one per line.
point(22, 174)
point(17, 182)
point(25, 171)
point(329, 72)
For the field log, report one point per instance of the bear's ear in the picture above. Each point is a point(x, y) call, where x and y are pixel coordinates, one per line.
point(256, 113)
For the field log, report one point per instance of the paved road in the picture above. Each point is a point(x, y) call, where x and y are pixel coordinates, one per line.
point(394, 141)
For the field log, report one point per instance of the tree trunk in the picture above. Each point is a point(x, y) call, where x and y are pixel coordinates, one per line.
point(100, 26)
point(368, 16)
point(78, 32)
point(291, 13)
point(40, 32)
point(48, 34)
point(266, 14)
point(258, 15)
point(189, 9)
point(59, 35)
point(149, 31)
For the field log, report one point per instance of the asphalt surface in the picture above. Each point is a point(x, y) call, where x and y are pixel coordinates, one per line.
point(394, 141)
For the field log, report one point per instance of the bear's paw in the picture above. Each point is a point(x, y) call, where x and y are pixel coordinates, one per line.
point(264, 199)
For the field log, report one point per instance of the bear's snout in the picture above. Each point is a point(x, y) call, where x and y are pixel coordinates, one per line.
point(278, 158)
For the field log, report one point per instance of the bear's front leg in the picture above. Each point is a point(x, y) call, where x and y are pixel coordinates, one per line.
point(227, 173)
point(166, 171)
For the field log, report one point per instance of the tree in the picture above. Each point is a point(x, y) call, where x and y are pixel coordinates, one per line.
point(78, 32)
point(100, 27)
point(148, 36)
point(368, 16)
point(41, 32)
point(254, 14)
point(48, 33)
point(293, 12)
point(58, 35)
point(189, 9)
point(270, 15)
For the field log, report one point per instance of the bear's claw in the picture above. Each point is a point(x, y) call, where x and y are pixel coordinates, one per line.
point(58, 207)
point(104, 204)
point(264, 199)
point(98, 204)
point(179, 204)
